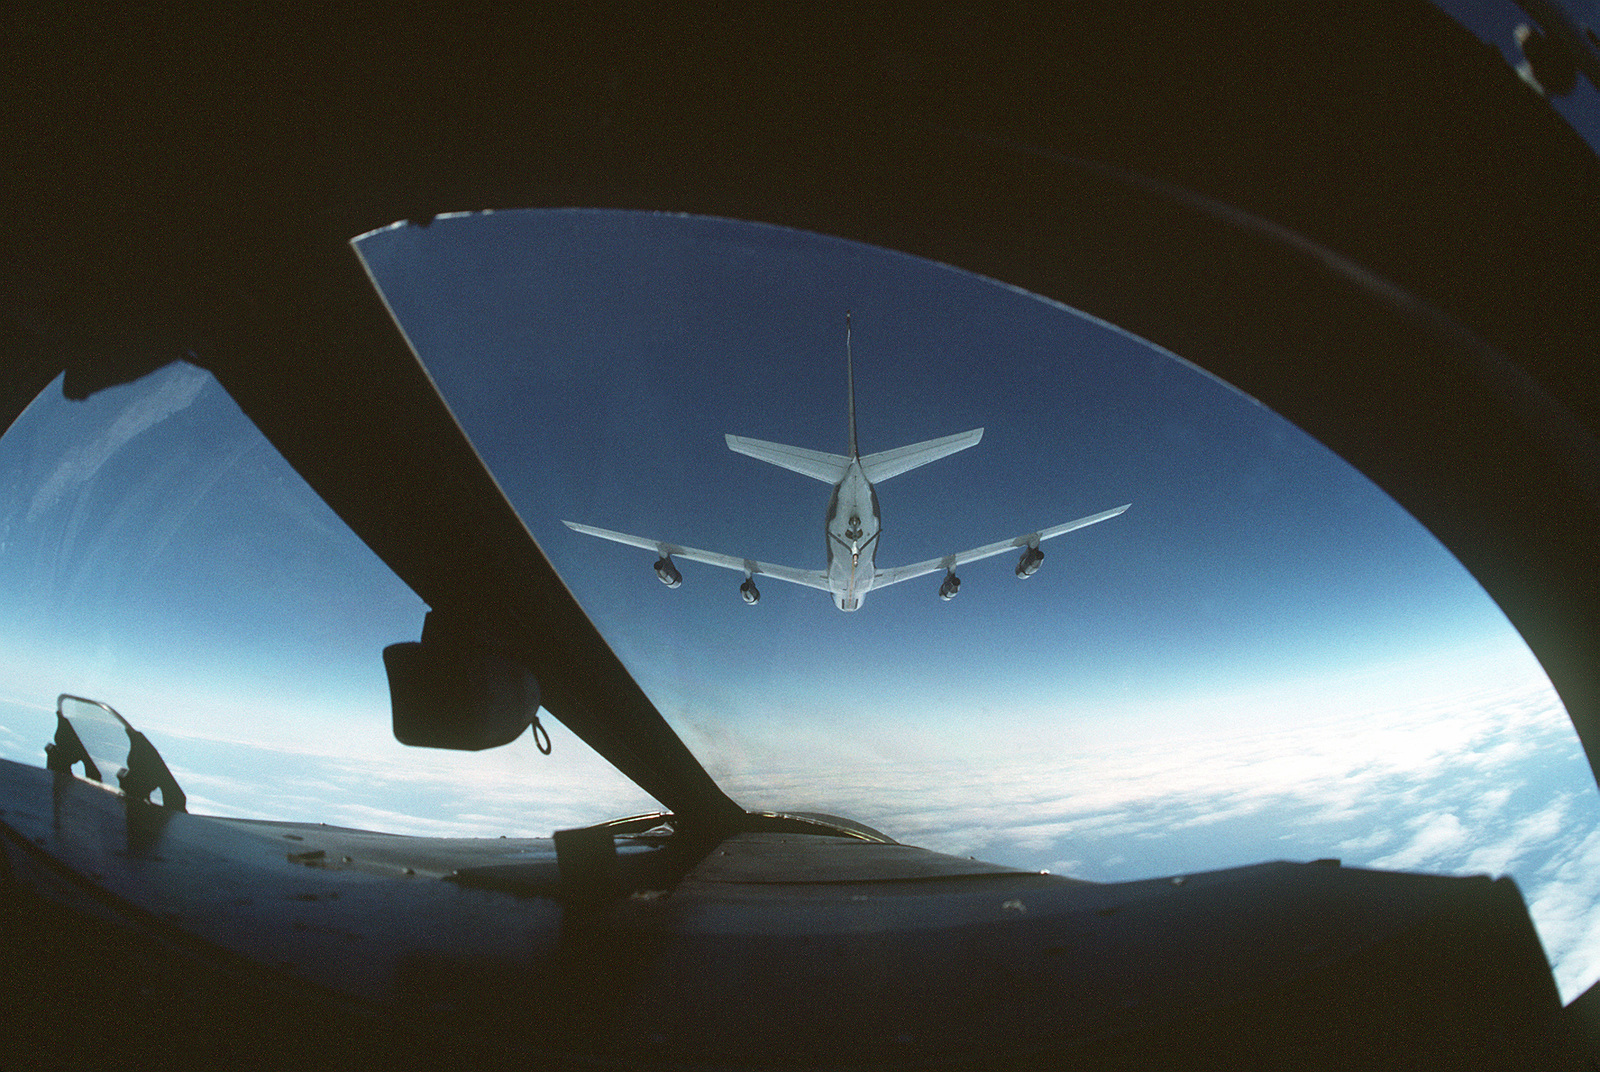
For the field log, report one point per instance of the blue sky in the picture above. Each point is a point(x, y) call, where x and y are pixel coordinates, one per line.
point(597, 359)
point(1265, 657)
point(598, 377)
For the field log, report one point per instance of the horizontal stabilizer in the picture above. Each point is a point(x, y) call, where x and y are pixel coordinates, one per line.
point(888, 463)
point(828, 468)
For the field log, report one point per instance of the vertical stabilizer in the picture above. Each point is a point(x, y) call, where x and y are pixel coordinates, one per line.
point(850, 375)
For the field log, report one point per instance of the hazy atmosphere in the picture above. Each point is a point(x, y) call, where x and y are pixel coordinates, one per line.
point(1263, 658)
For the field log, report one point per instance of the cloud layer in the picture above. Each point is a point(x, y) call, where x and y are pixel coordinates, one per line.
point(1487, 779)
point(1491, 780)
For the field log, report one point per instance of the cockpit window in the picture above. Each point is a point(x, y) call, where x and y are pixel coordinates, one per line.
point(159, 556)
point(1260, 657)
point(1264, 657)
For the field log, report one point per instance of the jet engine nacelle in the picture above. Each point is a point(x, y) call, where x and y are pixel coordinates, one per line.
point(668, 573)
point(949, 587)
point(751, 594)
point(1028, 564)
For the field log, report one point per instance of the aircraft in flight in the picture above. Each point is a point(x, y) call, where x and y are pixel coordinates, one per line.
point(712, 935)
point(852, 524)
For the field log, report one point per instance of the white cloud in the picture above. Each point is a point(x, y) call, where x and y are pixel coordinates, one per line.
point(1565, 909)
point(1492, 801)
point(1443, 784)
point(1362, 847)
point(1529, 833)
point(1439, 835)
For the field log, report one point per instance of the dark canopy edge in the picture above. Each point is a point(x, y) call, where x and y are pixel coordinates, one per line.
point(188, 183)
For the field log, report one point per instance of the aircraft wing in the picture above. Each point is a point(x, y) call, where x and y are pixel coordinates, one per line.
point(897, 574)
point(809, 578)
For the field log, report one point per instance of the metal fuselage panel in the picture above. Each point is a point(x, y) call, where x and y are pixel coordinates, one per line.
point(852, 537)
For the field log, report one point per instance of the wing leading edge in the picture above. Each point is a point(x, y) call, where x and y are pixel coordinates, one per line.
point(886, 577)
point(809, 578)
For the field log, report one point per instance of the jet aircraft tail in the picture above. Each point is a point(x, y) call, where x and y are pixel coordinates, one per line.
point(876, 468)
point(888, 463)
point(830, 468)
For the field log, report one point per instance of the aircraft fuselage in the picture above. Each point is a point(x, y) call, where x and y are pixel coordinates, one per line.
point(852, 537)
point(851, 529)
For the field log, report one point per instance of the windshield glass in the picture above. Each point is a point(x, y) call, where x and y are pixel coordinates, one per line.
point(160, 556)
point(1262, 658)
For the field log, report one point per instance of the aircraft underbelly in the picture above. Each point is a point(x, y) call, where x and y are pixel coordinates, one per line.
point(852, 538)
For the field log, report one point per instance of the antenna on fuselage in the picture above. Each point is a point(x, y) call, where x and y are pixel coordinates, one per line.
point(850, 375)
